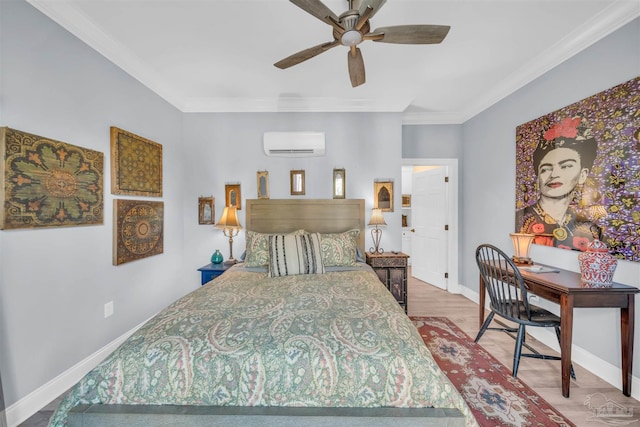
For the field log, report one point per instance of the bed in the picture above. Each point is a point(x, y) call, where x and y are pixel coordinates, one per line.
point(311, 338)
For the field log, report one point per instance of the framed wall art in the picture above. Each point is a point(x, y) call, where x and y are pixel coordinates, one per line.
point(339, 183)
point(383, 195)
point(297, 183)
point(206, 210)
point(262, 179)
point(136, 165)
point(578, 173)
point(48, 183)
point(138, 229)
point(233, 196)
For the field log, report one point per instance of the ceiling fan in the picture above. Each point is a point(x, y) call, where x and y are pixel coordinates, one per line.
point(353, 27)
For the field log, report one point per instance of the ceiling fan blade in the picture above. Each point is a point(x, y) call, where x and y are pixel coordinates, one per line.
point(356, 66)
point(374, 4)
point(364, 17)
point(413, 34)
point(303, 55)
point(317, 9)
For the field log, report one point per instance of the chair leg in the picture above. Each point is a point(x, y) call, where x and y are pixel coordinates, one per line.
point(485, 325)
point(572, 372)
point(518, 350)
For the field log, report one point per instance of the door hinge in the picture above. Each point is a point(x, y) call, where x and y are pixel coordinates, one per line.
point(446, 179)
point(446, 227)
point(446, 275)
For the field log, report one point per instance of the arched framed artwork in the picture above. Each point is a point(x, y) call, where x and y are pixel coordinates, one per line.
point(233, 196)
point(206, 212)
point(262, 183)
point(383, 195)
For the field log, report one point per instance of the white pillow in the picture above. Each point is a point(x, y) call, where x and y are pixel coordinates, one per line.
point(291, 254)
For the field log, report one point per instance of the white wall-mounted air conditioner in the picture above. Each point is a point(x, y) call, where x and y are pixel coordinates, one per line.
point(294, 144)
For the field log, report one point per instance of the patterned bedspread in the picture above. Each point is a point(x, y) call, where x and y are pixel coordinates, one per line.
point(337, 339)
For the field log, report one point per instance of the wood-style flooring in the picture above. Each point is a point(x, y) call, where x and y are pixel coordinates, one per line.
point(541, 375)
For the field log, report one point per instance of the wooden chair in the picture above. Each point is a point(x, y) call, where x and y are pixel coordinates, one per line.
point(509, 299)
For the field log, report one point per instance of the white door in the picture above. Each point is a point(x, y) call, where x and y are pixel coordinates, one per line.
point(429, 216)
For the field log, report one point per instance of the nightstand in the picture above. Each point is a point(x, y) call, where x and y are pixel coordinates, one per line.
point(391, 269)
point(211, 271)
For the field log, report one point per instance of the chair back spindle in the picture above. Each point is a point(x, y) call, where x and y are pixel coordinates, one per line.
point(506, 288)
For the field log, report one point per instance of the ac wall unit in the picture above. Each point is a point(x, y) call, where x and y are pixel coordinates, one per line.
point(294, 144)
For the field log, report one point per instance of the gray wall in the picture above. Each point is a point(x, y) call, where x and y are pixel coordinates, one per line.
point(488, 174)
point(227, 148)
point(54, 282)
point(432, 142)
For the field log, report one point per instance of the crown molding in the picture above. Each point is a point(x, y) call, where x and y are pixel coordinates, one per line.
point(610, 19)
point(84, 29)
point(294, 105)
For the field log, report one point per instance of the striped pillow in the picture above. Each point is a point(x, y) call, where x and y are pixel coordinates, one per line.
point(291, 254)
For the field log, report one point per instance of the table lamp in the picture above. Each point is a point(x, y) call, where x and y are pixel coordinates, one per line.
point(230, 227)
point(521, 246)
point(376, 219)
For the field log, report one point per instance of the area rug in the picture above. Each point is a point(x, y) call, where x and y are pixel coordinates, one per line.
point(493, 395)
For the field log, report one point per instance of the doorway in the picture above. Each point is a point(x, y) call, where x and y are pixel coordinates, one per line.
point(445, 265)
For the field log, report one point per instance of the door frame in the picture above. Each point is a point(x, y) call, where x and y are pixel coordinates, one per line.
point(453, 285)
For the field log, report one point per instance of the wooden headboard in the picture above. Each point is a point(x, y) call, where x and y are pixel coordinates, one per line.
point(315, 215)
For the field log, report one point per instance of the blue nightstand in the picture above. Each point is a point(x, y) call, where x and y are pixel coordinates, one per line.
point(211, 271)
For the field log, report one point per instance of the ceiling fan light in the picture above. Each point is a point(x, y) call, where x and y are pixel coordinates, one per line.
point(351, 38)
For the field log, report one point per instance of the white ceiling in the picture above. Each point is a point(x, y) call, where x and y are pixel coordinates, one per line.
point(218, 55)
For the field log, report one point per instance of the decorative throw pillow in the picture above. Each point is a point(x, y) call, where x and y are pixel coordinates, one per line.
point(291, 254)
point(340, 249)
point(257, 251)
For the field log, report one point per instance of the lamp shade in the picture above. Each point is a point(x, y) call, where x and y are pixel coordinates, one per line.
point(229, 219)
point(376, 217)
point(521, 246)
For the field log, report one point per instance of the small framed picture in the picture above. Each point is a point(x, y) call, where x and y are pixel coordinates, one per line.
point(339, 184)
point(263, 184)
point(206, 213)
point(232, 196)
point(297, 182)
point(383, 195)
point(406, 200)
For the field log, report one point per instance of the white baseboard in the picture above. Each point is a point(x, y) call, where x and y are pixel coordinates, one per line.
point(598, 367)
point(42, 396)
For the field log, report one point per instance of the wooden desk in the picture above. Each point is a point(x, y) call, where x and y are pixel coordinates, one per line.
point(566, 289)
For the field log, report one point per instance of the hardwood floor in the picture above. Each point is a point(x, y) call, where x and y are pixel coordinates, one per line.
point(541, 375)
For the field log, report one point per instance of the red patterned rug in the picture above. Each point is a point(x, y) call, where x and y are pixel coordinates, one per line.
point(493, 395)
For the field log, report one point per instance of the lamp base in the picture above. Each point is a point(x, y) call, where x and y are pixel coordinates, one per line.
point(230, 261)
point(522, 260)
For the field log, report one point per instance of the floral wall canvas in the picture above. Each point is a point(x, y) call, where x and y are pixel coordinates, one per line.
point(48, 183)
point(578, 173)
point(138, 230)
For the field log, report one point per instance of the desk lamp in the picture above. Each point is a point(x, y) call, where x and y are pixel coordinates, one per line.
point(522, 245)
